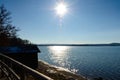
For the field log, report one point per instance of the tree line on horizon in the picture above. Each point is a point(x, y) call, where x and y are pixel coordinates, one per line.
point(8, 32)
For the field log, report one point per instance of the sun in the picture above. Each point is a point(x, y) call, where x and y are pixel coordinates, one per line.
point(61, 9)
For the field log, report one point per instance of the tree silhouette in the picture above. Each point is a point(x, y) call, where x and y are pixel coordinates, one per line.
point(6, 27)
point(8, 32)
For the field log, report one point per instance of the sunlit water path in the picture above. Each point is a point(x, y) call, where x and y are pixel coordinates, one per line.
point(89, 61)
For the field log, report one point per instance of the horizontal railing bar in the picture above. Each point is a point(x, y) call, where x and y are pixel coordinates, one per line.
point(31, 71)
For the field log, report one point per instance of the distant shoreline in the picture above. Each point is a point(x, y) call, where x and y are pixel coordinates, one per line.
point(111, 44)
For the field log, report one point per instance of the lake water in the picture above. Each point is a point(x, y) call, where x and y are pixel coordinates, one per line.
point(89, 61)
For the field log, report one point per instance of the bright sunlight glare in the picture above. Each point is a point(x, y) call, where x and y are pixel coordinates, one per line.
point(61, 9)
point(59, 49)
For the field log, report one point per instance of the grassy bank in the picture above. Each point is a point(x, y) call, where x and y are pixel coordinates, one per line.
point(57, 73)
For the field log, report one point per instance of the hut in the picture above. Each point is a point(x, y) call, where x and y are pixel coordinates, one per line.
point(26, 54)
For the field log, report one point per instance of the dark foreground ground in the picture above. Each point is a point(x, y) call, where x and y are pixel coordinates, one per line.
point(57, 73)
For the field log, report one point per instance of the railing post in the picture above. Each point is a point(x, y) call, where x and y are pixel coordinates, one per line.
point(22, 75)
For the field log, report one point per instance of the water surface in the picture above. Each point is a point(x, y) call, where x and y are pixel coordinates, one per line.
point(89, 61)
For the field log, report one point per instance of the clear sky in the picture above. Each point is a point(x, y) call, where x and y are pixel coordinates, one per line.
point(87, 21)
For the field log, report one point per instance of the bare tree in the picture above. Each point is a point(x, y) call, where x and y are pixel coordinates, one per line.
point(8, 32)
point(6, 27)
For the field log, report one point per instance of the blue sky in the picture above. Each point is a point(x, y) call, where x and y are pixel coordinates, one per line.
point(87, 21)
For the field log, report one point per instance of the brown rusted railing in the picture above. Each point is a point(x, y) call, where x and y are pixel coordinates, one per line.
point(14, 70)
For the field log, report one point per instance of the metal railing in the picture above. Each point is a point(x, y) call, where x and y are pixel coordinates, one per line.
point(15, 70)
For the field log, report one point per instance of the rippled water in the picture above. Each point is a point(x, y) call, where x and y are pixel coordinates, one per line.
point(89, 61)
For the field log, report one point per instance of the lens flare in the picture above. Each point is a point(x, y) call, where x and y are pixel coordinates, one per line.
point(61, 9)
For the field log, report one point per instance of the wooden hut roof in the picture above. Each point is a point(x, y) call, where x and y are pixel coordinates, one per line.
point(20, 49)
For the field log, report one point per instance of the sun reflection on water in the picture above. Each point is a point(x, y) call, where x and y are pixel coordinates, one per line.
point(58, 50)
point(59, 55)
